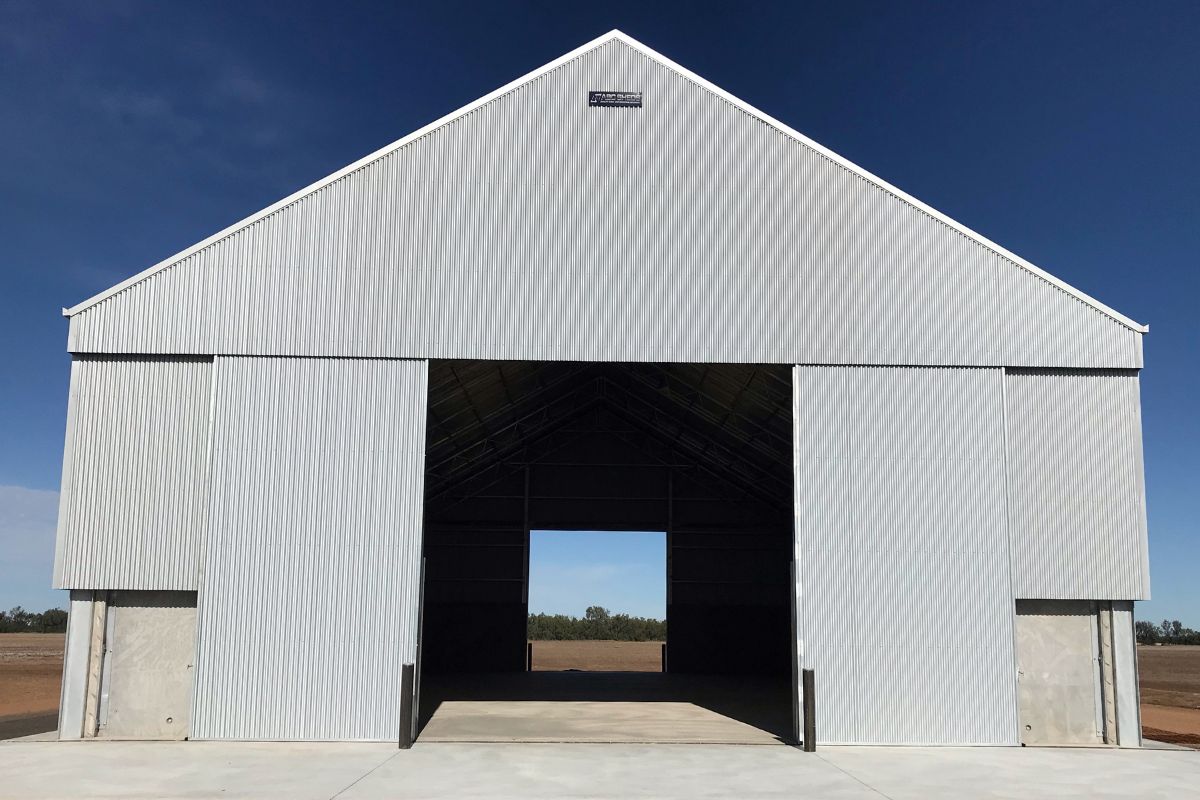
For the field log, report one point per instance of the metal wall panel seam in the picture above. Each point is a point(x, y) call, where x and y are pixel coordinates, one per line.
point(798, 646)
point(1016, 674)
point(200, 642)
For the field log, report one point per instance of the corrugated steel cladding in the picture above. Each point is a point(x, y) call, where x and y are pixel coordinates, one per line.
point(134, 483)
point(536, 227)
point(317, 564)
point(906, 603)
point(1077, 502)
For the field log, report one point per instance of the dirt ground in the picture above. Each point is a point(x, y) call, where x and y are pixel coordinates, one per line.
point(1170, 675)
point(1170, 684)
point(598, 656)
point(30, 673)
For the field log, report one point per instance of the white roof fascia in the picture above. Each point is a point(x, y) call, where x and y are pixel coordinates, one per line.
point(669, 64)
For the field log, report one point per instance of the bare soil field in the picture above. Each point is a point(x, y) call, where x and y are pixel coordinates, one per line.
point(30, 676)
point(30, 672)
point(1169, 678)
point(597, 656)
point(1170, 675)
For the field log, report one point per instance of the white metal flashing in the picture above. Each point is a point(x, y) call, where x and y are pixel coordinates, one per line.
point(668, 63)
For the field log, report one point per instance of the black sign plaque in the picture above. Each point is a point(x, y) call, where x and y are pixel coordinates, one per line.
point(615, 99)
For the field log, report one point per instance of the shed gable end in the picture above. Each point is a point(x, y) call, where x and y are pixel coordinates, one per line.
point(538, 226)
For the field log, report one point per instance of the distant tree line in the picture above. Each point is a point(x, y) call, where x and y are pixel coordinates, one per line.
point(597, 623)
point(18, 620)
point(1169, 632)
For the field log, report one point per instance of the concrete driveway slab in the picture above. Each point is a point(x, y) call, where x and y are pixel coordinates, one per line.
point(904, 773)
point(261, 770)
point(534, 771)
point(267, 770)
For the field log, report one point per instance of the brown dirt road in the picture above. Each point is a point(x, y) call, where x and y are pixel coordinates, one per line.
point(1172, 725)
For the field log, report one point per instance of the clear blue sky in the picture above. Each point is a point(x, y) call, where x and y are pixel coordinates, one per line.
point(1065, 131)
point(625, 572)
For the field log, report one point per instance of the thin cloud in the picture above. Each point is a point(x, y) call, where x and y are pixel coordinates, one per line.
point(145, 112)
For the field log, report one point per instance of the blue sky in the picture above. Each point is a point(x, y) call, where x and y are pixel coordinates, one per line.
point(1064, 131)
point(624, 571)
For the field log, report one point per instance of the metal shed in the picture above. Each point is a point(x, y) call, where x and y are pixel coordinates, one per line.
point(319, 439)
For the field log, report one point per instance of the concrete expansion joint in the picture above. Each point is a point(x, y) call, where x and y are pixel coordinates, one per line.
point(357, 780)
point(854, 777)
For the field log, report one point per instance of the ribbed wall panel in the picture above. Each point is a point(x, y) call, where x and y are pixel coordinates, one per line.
point(308, 603)
point(905, 598)
point(1041, 326)
point(535, 227)
point(1076, 486)
point(131, 510)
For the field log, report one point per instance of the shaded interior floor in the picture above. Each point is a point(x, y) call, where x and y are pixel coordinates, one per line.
point(605, 707)
point(18, 725)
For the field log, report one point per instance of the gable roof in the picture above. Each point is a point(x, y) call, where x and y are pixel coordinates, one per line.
point(666, 62)
point(797, 254)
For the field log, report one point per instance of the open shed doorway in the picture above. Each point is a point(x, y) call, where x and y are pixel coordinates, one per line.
point(597, 601)
point(702, 452)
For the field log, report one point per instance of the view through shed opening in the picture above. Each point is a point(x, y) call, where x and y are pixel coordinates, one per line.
point(597, 601)
point(699, 453)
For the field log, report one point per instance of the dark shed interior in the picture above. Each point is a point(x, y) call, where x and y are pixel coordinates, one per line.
point(700, 451)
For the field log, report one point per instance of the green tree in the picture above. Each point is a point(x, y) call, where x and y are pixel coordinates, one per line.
point(597, 623)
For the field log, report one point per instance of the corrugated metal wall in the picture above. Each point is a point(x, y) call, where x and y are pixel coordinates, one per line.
point(535, 227)
point(1077, 500)
point(906, 610)
point(308, 602)
point(134, 474)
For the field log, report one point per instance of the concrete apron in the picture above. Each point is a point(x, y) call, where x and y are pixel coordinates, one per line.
point(587, 722)
point(299, 771)
point(605, 707)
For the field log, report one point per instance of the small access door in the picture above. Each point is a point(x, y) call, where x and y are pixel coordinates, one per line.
point(150, 645)
point(1058, 664)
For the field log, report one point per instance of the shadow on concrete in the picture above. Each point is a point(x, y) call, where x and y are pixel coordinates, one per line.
point(762, 702)
point(13, 727)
